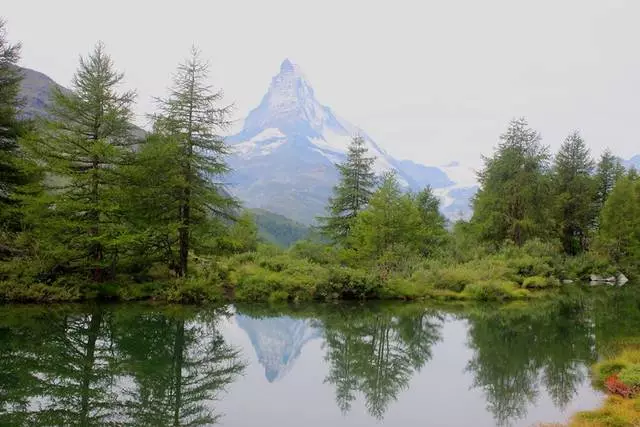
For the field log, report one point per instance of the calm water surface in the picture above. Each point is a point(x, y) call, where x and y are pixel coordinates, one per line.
point(314, 366)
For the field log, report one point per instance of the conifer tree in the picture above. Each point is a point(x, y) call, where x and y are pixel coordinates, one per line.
point(192, 117)
point(11, 174)
point(431, 232)
point(88, 135)
point(608, 171)
point(512, 203)
point(352, 194)
point(574, 193)
point(619, 233)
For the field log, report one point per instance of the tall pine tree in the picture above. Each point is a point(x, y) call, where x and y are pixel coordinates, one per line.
point(352, 194)
point(574, 190)
point(512, 203)
point(192, 117)
point(11, 174)
point(608, 171)
point(88, 135)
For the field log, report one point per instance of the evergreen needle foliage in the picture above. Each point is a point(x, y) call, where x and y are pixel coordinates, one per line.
point(352, 194)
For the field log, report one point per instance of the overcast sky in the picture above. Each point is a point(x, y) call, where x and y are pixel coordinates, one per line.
point(432, 81)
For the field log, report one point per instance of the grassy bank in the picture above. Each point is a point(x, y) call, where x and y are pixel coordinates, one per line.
point(315, 272)
point(619, 377)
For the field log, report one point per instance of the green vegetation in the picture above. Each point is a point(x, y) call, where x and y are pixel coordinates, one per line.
point(353, 192)
point(620, 377)
point(127, 363)
point(90, 210)
point(278, 229)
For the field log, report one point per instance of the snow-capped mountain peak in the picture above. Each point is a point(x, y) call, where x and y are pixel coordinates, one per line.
point(289, 105)
point(285, 155)
point(290, 109)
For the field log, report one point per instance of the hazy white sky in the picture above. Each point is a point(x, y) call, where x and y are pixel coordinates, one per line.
point(432, 81)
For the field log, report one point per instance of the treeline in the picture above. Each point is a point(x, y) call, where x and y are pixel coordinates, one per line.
point(84, 196)
point(91, 208)
point(540, 221)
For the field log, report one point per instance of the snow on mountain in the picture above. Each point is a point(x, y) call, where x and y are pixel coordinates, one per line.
point(277, 341)
point(284, 157)
point(291, 108)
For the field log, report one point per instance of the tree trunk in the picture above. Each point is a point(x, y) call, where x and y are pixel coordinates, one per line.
point(87, 367)
point(178, 349)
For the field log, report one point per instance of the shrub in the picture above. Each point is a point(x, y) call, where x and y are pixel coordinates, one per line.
point(580, 267)
point(37, 292)
point(631, 376)
point(494, 290)
point(315, 252)
point(278, 296)
point(615, 386)
point(349, 283)
point(190, 291)
point(539, 282)
point(607, 368)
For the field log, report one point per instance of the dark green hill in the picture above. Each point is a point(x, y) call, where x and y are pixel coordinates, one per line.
point(279, 229)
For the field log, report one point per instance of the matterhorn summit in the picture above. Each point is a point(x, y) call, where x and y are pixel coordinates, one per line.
point(284, 157)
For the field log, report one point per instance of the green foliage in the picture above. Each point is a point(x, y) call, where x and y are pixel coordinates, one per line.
point(190, 290)
point(539, 282)
point(88, 136)
point(192, 118)
point(12, 174)
point(352, 194)
point(513, 201)
point(608, 171)
point(241, 236)
point(491, 290)
point(313, 251)
point(619, 234)
point(574, 194)
point(396, 226)
point(278, 229)
point(630, 375)
point(37, 292)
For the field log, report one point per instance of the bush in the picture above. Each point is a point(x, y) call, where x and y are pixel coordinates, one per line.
point(315, 252)
point(37, 292)
point(630, 375)
point(190, 291)
point(580, 267)
point(492, 290)
point(349, 283)
point(539, 282)
point(456, 277)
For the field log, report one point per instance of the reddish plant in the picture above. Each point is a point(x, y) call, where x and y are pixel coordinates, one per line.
point(615, 386)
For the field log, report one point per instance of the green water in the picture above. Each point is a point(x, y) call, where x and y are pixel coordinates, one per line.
point(322, 365)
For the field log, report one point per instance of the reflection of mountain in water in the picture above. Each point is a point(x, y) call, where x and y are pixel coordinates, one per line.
point(277, 341)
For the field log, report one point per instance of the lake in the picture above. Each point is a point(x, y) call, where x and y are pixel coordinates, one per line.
point(313, 365)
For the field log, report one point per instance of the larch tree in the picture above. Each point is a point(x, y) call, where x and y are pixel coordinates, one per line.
point(87, 136)
point(11, 128)
point(193, 118)
point(619, 233)
point(608, 171)
point(574, 192)
point(352, 194)
point(432, 232)
point(512, 203)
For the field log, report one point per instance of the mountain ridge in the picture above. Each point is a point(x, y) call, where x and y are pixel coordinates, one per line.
point(284, 157)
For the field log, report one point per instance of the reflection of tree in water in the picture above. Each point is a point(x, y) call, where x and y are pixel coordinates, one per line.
point(518, 349)
point(179, 365)
point(67, 371)
point(98, 367)
point(376, 353)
